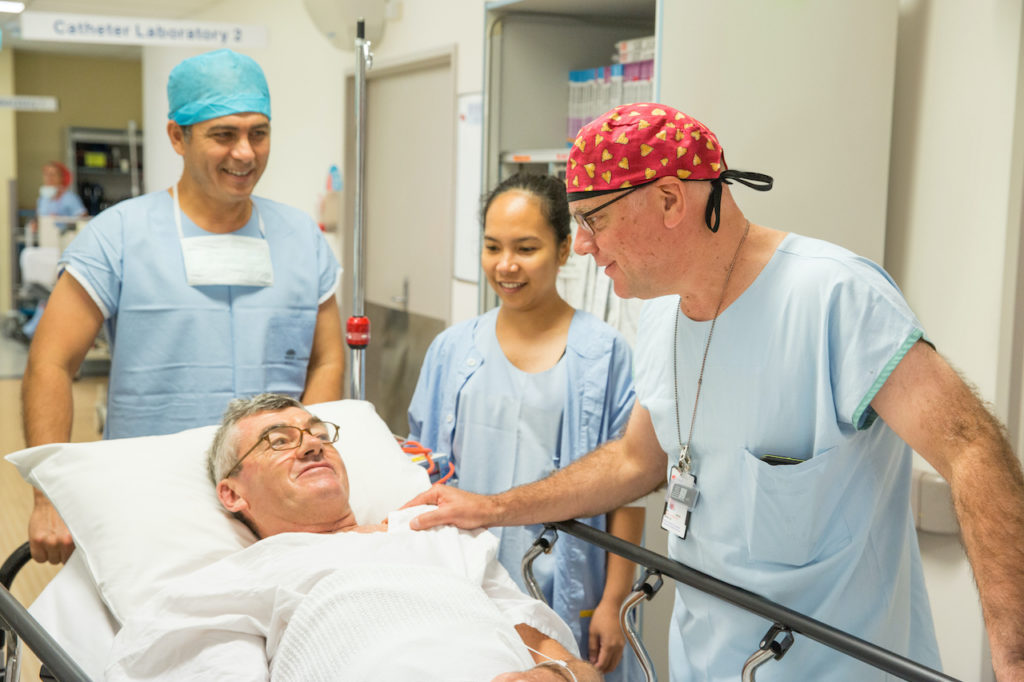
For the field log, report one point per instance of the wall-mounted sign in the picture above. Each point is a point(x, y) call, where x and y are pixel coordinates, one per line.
point(28, 102)
point(85, 28)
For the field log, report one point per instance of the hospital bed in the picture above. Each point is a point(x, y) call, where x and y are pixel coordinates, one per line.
point(143, 512)
point(132, 538)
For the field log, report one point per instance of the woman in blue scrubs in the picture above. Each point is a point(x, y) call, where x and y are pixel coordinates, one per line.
point(55, 194)
point(527, 388)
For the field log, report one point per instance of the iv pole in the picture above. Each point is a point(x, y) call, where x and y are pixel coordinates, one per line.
point(357, 330)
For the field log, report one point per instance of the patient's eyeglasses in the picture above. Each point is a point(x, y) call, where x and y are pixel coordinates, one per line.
point(583, 219)
point(287, 437)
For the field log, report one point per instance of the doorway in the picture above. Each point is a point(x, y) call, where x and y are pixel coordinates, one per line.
point(408, 213)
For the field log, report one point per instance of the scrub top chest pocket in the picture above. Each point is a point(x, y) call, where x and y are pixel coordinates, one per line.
point(287, 342)
point(795, 506)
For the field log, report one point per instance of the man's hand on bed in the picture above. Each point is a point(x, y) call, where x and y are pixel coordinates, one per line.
point(454, 507)
point(48, 536)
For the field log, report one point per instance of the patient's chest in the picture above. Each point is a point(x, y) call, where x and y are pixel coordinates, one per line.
point(359, 617)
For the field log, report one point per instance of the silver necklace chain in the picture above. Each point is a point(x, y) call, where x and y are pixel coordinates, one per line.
point(685, 460)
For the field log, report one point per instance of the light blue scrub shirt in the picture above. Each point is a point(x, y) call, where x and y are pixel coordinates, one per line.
point(596, 402)
point(507, 432)
point(791, 370)
point(180, 353)
point(67, 204)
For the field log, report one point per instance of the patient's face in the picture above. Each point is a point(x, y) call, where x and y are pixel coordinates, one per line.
point(301, 489)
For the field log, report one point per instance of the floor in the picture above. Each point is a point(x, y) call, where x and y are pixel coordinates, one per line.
point(12, 358)
point(15, 494)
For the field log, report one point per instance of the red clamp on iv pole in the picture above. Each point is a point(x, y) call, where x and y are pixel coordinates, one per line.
point(357, 332)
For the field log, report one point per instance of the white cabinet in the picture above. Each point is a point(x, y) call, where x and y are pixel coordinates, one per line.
point(531, 46)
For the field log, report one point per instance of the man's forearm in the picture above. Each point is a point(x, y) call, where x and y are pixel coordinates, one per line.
point(551, 655)
point(46, 403)
point(325, 374)
point(324, 383)
point(988, 494)
point(626, 523)
point(603, 480)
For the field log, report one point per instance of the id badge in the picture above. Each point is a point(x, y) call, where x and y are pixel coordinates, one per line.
point(680, 499)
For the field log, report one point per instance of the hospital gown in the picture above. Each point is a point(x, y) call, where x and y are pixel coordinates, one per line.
point(791, 370)
point(390, 606)
point(181, 352)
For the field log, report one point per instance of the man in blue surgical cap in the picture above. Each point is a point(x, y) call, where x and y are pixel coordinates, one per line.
point(207, 292)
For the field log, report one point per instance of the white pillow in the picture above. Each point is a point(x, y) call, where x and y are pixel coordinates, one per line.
point(143, 511)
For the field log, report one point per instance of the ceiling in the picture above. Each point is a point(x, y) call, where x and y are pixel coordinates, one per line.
point(178, 9)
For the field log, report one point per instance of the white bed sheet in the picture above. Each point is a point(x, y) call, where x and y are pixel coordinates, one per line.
point(70, 609)
point(434, 606)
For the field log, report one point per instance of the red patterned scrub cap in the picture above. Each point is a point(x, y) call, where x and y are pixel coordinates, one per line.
point(65, 174)
point(637, 143)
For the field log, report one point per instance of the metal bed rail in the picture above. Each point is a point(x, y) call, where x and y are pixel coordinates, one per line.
point(784, 621)
point(16, 623)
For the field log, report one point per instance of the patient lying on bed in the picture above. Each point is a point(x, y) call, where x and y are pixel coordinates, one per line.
point(320, 597)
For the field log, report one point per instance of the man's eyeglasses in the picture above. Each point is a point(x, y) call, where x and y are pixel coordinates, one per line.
point(287, 437)
point(583, 219)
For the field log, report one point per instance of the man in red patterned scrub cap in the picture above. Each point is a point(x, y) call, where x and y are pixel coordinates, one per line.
point(782, 383)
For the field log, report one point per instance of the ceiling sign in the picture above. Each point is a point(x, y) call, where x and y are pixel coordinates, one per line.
point(85, 28)
point(28, 102)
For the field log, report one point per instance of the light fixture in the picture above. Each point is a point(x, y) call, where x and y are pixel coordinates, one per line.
point(11, 7)
point(336, 20)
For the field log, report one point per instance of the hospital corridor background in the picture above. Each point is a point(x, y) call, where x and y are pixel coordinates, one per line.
point(894, 128)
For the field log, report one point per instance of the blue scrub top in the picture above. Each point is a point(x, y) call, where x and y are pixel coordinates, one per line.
point(597, 401)
point(507, 433)
point(181, 352)
point(791, 370)
point(67, 204)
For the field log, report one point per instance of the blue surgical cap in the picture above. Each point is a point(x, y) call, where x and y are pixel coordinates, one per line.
point(217, 83)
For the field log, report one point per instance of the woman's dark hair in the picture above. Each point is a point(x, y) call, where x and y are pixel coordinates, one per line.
point(551, 192)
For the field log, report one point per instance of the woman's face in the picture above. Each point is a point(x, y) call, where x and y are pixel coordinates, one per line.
point(520, 255)
point(52, 176)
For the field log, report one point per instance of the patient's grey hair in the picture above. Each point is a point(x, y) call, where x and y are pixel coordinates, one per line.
point(223, 453)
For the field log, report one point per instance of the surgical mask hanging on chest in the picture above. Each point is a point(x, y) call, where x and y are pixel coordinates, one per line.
point(225, 259)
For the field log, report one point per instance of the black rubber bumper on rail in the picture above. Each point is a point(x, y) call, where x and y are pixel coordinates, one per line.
point(16, 618)
point(18, 558)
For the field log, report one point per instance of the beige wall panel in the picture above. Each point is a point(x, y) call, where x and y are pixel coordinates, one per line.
point(93, 92)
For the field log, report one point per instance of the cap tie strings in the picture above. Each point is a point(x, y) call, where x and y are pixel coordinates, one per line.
point(755, 181)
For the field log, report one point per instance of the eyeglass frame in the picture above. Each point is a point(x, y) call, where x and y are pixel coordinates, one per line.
point(582, 218)
point(270, 430)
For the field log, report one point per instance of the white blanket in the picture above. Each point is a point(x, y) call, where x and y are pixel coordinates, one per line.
point(400, 605)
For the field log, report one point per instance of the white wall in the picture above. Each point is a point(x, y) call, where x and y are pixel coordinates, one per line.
point(8, 172)
point(949, 224)
point(423, 25)
point(801, 91)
